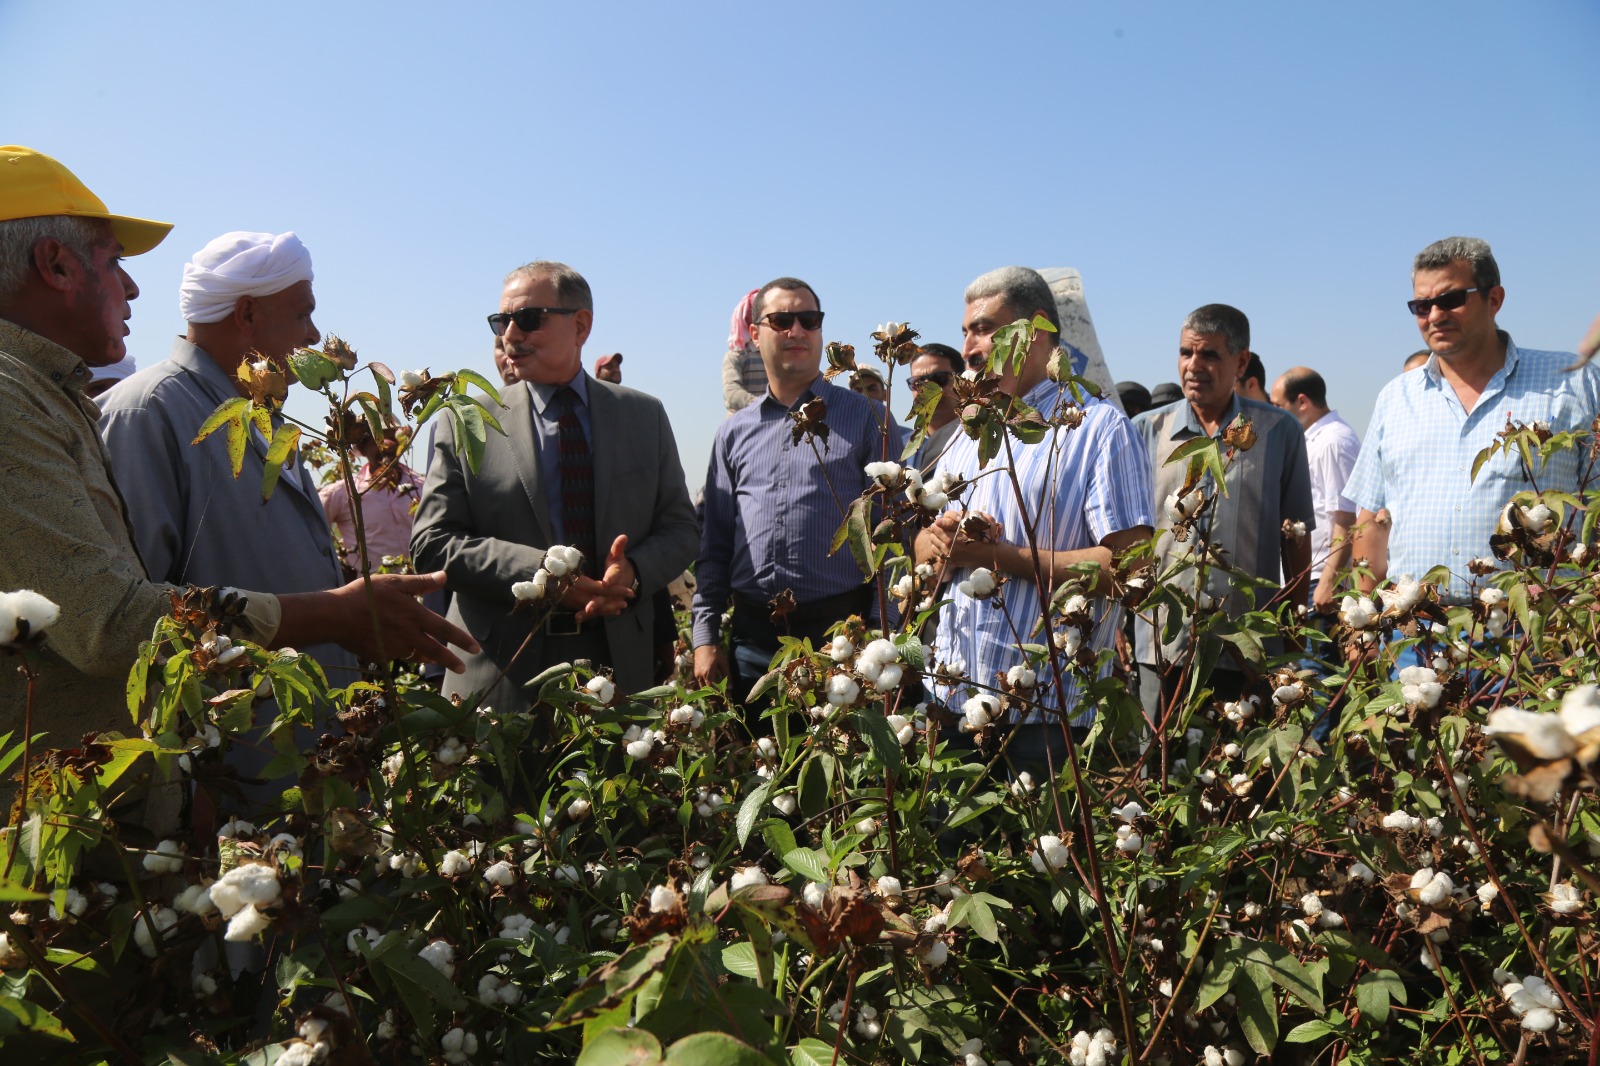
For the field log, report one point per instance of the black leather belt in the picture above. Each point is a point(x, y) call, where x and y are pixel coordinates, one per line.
point(832, 609)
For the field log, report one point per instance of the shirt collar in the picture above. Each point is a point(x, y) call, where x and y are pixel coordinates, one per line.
point(1190, 422)
point(1324, 422)
point(46, 356)
point(544, 394)
point(819, 387)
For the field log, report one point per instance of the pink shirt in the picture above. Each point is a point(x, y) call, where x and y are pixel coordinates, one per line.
point(385, 513)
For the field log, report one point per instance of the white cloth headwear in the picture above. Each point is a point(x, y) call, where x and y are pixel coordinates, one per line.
point(122, 368)
point(240, 264)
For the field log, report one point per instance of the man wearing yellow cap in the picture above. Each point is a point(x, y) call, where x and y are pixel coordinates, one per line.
point(64, 305)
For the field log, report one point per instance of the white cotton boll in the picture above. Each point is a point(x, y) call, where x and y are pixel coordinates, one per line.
point(767, 748)
point(1128, 812)
point(663, 900)
point(601, 688)
point(1535, 519)
point(1128, 841)
point(1286, 694)
point(501, 873)
point(301, 1055)
point(1050, 854)
point(1403, 597)
point(1539, 1020)
point(1580, 710)
point(440, 955)
point(1311, 904)
point(25, 614)
point(884, 473)
point(1231, 750)
point(842, 690)
point(813, 894)
point(246, 924)
point(1437, 890)
point(1021, 677)
point(196, 899)
point(1487, 893)
point(979, 711)
point(1360, 871)
point(458, 1046)
point(1494, 627)
point(1564, 899)
point(1358, 612)
point(889, 887)
point(869, 669)
point(1545, 736)
point(937, 955)
point(1541, 994)
point(454, 864)
point(867, 826)
point(236, 827)
point(578, 809)
point(979, 584)
point(692, 717)
point(933, 501)
point(555, 565)
point(889, 679)
point(785, 803)
point(1181, 507)
point(881, 651)
point(1023, 785)
point(166, 859)
point(1330, 920)
point(1402, 821)
point(1077, 603)
point(841, 650)
point(77, 903)
point(163, 917)
point(747, 876)
point(639, 749)
point(904, 731)
point(516, 927)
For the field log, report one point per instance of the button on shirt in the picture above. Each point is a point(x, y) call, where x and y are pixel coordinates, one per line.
point(1079, 486)
point(771, 507)
point(547, 429)
point(1331, 450)
point(1417, 457)
point(1267, 484)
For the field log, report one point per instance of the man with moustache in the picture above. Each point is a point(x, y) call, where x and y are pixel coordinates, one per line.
point(1430, 424)
point(64, 305)
point(584, 463)
point(1255, 524)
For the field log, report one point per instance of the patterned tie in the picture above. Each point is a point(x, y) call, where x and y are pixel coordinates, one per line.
point(577, 481)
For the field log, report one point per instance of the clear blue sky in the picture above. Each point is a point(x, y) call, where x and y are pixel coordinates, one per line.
point(1285, 158)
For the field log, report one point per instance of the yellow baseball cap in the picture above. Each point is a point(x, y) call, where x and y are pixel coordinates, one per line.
point(33, 185)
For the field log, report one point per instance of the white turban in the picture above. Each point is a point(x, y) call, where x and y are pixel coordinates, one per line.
point(240, 264)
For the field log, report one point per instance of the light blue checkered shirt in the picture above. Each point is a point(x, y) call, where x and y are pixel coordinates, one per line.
point(1417, 457)
point(1079, 486)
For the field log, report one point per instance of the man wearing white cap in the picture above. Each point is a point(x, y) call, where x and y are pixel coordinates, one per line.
point(194, 523)
point(64, 305)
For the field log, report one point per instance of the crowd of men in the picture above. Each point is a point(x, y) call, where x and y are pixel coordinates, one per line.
point(113, 508)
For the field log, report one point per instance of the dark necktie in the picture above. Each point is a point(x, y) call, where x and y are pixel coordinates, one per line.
point(577, 481)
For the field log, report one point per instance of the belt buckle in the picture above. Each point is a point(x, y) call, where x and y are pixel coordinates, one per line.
point(562, 624)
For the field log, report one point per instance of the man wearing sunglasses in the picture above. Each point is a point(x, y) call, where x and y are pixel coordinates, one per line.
point(583, 462)
point(938, 365)
point(1429, 425)
point(772, 503)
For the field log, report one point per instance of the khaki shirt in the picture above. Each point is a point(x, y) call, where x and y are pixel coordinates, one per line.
point(66, 537)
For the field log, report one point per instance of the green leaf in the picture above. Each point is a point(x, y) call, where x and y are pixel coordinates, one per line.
point(1219, 975)
point(740, 959)
point(1286, 971)
point(471, 437)
point(34, 1018)
point(621, 1047)
point(856, 531)
point(472, 377)
point(1375, 991)
point(11, 892)
point(1258, 1009)
point(284, 442)
point(807, 863)
point(977, 915)
point(1306, 1032)
point(778, 835)
point(1481, 458)
point(714, 1049)
point(750, 811)
point(872, 725)
point(811, 1052)
point(236, 442)
point(229, 411)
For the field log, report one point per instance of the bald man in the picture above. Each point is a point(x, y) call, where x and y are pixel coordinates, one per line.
point(1331, 450)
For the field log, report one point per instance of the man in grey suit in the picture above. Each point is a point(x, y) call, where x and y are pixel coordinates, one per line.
point(583, 462)
point(243, 295)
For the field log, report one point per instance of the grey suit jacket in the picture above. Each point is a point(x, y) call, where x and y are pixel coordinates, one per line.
point(488, 530)
point(193, 522)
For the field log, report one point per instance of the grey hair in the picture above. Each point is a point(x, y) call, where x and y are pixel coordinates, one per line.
point(571, 289)
point(1022, 290)
point(1230, 322)
point(18, 236)
point(1440, 254)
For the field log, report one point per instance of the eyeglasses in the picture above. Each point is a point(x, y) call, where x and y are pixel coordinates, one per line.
point(941, 378)
point(783, 321)
point(528, 319)
point(1445, 301)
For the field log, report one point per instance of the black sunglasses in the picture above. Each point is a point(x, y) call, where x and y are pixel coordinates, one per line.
point(941, 378)
point(1445, 301)
point(528, 319)
point(783, 321)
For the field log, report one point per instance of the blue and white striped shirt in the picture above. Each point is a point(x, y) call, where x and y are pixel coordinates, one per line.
point(771, 509)
point(1079, 486)
point(1417, 457)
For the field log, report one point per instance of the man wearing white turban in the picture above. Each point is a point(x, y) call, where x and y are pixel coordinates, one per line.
point(243, 294)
